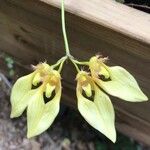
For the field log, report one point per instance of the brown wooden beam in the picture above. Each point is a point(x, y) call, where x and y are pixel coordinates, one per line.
point(30, 31)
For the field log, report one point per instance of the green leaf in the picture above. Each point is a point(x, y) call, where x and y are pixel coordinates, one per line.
point(98, 113)
point(19, 90)
point(122, 85)
point(40, 115)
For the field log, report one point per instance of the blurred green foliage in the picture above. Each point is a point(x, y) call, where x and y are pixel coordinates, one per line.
point(10, 64)
point(120, 1)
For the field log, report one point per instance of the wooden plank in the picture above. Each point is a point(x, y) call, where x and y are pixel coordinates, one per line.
point(31, 32)
point(111, 14)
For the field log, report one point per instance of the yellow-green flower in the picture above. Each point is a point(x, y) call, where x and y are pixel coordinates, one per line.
point(98, 112)
point(40, 115)
point(118, 81)
point(93, 104)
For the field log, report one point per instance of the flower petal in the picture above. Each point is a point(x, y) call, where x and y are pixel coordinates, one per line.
point(35, 109)
point(99, 114)
point(88, 90)
point(19, 90)
point(107, 113)
point(49, 90)
point(39, 115)
point(122, 85)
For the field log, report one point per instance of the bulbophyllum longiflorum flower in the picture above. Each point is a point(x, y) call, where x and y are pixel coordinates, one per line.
point(98, 112)
point(40, 115)
point(117, 81)
point(93, 104)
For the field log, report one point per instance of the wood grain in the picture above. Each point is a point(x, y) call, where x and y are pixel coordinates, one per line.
point(30, 31)
point(111, 14)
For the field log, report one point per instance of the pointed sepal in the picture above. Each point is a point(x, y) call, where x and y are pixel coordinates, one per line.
point(122, 85)
point(98, 113)
point(20, 89)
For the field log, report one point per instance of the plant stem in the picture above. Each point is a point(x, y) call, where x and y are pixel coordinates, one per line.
point(76, 66)
point(64, 29)
point(61, 66)
point(81, 63)
point(59, 62)
point(68, 55)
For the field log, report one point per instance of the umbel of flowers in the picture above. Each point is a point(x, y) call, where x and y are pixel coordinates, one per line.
point(93, 89)
point(29, 91)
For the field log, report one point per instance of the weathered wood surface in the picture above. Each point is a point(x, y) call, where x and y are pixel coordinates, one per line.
point(30, 31)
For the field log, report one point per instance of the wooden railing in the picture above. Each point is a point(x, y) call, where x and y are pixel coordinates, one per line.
point(30, 31)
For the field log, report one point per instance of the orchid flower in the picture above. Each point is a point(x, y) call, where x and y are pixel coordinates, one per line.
point(118, 81)
point(29, 92)
point(115, 81)
point(99, 113)
point(40, 115)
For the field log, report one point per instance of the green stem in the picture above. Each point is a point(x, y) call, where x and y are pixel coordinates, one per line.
point(81, 63)
point(68, 55)
point(59, 62)
point(76, 66)
point(64, 29)
point(61, 66)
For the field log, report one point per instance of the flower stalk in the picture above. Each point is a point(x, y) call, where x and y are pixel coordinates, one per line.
point(64, 29)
